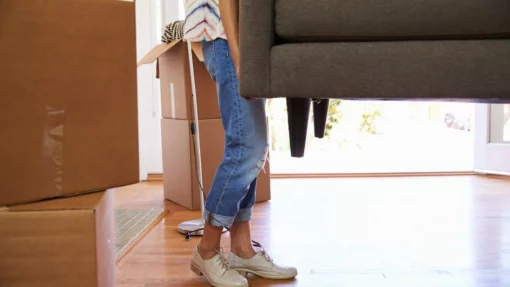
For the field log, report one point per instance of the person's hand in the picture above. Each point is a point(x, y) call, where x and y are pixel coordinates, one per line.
point(248, 99)
point(235, 58)
point(229, 11)
point(236, 65)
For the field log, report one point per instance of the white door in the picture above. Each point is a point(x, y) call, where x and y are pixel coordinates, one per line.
point(492, 138)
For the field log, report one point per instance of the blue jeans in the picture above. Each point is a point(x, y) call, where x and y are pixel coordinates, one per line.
point(232, 194)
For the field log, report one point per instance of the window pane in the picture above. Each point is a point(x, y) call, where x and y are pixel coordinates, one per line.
point(379, 136)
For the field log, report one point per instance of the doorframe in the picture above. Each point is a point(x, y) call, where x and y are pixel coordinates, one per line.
point(485, 150)
point(151, 17)
point(149, 110)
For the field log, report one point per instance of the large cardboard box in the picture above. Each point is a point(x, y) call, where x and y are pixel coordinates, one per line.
point(62, 242)
point(179, 168)
point(68, 90)
point(175, 81)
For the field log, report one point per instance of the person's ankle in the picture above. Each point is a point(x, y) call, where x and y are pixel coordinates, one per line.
point(243, 252)
point(207, 254)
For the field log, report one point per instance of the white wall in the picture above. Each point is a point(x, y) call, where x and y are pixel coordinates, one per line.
point(151, 18)
point(172, 10)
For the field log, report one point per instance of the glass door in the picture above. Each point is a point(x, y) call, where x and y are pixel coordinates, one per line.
point(492, 139)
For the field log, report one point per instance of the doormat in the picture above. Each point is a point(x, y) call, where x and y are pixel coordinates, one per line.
point(131, 225)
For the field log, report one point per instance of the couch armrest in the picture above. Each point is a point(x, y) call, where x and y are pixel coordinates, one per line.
point(256, 37)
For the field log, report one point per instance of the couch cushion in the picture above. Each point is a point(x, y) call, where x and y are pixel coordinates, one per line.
point(470, 70)
point(330, 20)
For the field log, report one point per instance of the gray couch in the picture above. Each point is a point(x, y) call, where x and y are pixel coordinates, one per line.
point(451, 50)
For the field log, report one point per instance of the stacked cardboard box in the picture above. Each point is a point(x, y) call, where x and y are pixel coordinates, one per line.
point(69, 130)
point(61, 242)
point(179, 165)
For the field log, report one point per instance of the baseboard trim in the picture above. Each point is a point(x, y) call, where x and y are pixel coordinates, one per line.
point(376, 174)
point(155, 177)
point(159, 177)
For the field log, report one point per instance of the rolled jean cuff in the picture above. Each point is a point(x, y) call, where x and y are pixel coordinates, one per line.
point(226, 221)
point(244, 215)
point(217, 220)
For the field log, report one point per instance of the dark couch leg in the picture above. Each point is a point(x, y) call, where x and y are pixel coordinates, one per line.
point(320, 117)
point(298, 111)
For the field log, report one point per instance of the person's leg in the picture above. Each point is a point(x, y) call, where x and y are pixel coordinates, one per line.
point(246, 143)
point(244, 156)
point(232, 196)
point(243, 256)
point(211, 241)
point(240, 233)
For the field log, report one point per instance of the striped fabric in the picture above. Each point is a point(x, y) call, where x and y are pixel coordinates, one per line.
point(173, 31)
point(203, 22)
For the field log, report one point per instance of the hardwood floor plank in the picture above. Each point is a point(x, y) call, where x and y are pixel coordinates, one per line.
point(417, 231)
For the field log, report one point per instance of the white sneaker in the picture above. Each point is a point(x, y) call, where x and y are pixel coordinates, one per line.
point(261, 265)
point(217, 271)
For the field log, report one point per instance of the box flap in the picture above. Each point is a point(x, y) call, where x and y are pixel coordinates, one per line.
point(160, 49)
point(156, 52)
point(197, 50)
point(80, 202)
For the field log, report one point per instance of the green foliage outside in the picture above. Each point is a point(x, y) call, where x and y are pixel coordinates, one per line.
point(334, 116)
point(339, 130)
point(369, 117)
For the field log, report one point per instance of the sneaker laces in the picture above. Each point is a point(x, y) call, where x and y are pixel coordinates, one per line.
point(222, 261)
point(263, 252)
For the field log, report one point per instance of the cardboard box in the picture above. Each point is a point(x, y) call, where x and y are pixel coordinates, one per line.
point(62, 242)
point(69, 120)
point(179, 168)
point(175, 81)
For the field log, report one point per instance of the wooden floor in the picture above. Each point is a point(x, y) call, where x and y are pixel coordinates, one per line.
point(421, 231)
